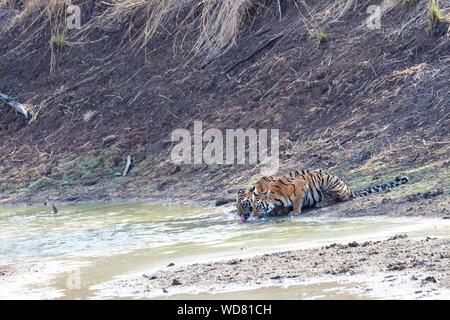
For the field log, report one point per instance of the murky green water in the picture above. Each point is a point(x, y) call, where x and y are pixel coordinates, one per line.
point(67, 254)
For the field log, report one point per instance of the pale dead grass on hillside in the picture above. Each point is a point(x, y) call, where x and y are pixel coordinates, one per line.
point(215, 24)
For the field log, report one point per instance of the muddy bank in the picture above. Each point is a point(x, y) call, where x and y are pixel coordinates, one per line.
point(418, 269)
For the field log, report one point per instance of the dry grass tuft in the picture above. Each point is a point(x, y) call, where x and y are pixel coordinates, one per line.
point(434, 14)
point(211, 27)
point(220, 24)
point(217, 23)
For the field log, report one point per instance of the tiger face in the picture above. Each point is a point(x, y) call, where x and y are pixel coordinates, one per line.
point(244, 204)
point(262, 207)
point(258, 197)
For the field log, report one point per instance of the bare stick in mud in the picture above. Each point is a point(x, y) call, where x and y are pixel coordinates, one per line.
point(16, 105)
point(127, 167)
point(269, 42)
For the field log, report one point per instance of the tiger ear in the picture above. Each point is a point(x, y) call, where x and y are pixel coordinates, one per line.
point(241, 191)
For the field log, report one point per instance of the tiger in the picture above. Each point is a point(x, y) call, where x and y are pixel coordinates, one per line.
point(307, 188)
point(245, 198)
point(244, 205)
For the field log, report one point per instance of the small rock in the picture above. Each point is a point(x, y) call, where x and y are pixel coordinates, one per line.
point(160, 186)
point(175, 282)
point(171, 264)
point(429, 279)
point(414, 278)
point(175, 169)
point(331, 246)
point(433, 193)
point(396, 266)
point(109, 139)
point(46, 170)
point(398, 236)
point(353, 244)
point(89, 115)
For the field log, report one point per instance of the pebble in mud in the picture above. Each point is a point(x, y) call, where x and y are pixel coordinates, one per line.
point(353, 244)
point(429, 279)
point(398, 236)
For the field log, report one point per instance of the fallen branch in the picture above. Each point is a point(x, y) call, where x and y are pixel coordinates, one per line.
point(16, 105)
point(272, 40)
point(127, 167)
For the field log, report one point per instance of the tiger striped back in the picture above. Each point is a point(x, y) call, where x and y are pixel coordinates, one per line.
point(308, 188)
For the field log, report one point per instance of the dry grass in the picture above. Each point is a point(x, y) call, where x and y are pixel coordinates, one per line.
point(434, 14)
point(216, 24)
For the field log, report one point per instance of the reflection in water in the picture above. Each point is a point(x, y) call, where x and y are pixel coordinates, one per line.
point(109, 240)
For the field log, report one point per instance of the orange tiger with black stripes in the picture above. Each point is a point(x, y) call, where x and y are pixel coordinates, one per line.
point(298, 190)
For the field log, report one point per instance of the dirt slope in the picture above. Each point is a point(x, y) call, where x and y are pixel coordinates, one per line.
point(366, 105)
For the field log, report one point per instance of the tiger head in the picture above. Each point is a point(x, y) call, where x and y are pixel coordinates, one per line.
point(269, 202)
point(244, 204)
point(258, 197)
point(266, 204)
point(262, 205)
